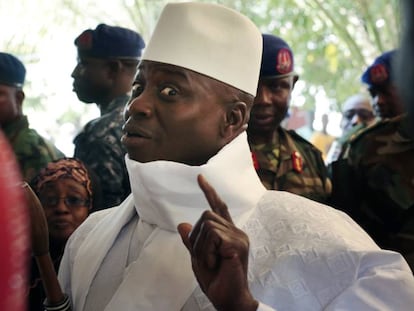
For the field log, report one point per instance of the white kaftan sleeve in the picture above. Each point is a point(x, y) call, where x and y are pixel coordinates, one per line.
point(379, 288)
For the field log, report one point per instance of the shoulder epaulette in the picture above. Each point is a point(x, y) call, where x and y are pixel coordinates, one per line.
point(296, 136)
point(301, 140)
point(375, 127)
point(364, 131)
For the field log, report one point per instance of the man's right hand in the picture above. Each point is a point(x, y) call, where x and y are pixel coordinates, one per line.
point(219, 255)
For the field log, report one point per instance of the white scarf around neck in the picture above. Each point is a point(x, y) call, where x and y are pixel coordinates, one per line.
point(167, 193)
point(164, 194)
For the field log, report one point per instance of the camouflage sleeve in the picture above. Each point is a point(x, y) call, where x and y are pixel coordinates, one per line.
point(320, 164)
point(108, 162)
point(33, 153)
point(315, 159)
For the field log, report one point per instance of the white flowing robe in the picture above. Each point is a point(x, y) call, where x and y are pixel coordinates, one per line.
point(303, 255)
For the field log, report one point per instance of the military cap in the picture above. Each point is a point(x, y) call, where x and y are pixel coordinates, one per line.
point(110, 42)
point(380, 71)
point(277, 59)
point(209, 39)
point(12, 70)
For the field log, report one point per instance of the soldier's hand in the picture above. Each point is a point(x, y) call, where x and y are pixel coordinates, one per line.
point(39, 232)
point(219, 255)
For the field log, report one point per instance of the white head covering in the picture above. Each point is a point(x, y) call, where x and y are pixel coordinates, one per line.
point(209, 39)
point(358, 101)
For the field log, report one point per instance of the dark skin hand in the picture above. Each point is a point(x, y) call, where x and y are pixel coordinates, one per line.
point(219, 255)
point(40, 247)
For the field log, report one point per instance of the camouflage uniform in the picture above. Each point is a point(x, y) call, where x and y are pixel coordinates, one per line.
point(292, 164)
point(340, 146)
point(99, 146)
point(375, 185)
point(32, 151)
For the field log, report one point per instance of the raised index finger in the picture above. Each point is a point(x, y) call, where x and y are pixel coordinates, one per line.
point(215, 202)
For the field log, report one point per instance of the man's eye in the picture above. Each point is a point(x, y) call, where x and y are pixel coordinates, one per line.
point(137, 89)
point(349, 114)
point(275, 87)
point(82, 62)
point(168, 91)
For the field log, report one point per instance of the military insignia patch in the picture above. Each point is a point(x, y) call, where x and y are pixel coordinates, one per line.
point(378, 74)
point(284, 63)
point(297, 162)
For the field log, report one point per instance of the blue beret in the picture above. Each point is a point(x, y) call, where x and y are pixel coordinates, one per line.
point(110, 42)
point(380, 72)
point(12, 70)
point(277, 58)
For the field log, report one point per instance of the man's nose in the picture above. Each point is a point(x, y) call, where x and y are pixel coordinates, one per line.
point(76, 71)
point(379, 100)
point(263, 96)
point(139, 106)
point(356, 119)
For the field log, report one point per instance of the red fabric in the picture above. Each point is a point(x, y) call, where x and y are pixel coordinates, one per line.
point(14, 230)
point(297, 162)
point(255, 161)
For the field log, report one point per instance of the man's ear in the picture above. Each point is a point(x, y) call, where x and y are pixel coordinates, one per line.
point(19, 95)
point(295, 79)
point(236, 119)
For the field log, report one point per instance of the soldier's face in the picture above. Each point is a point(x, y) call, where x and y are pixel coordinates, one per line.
point(10, 104)
point(271, 104)
point(92, 81)
point(174, 114)
point(387, 102)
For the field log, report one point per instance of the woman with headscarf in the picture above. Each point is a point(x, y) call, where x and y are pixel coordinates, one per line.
point(68, 193)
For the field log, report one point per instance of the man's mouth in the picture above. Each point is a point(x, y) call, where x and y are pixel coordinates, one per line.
point(262, 117)
point(131, 131)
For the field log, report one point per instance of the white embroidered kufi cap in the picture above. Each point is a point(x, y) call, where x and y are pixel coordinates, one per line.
point(209, 39)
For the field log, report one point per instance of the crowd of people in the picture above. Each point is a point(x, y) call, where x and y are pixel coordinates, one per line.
point(187, 193)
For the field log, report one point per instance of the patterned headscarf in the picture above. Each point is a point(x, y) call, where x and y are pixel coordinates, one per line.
point(63, 168)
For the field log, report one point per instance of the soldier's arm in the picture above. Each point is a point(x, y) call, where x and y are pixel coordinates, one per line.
point(346, 183)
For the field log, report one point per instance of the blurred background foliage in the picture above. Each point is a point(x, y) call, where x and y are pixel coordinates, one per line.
point(333, 42)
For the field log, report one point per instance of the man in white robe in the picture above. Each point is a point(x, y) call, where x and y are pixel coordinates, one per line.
point(249, 249)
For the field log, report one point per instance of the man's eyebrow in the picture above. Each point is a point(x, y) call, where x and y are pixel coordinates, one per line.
point(167, 69)
point(174, 72)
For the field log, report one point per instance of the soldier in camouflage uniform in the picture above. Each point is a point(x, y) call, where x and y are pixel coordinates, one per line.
point(108, 57)
point(385, 99)
point(32, 151)
point(374, 181)
point(378, 185)
point(283, 159)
